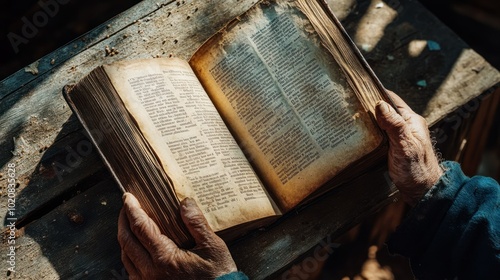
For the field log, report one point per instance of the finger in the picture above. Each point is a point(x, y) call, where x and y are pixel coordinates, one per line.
point(129, 243)
point(195, 222)
point(398, 101)
point(144, 228)
point(402, 107)
point(129, 265)
point(389, 120)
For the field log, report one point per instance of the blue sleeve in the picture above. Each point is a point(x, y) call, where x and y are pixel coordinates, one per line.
point(237, 275)
point(454, 231)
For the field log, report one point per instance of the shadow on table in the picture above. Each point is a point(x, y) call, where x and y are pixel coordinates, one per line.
point(70, 209)
point(72, 215)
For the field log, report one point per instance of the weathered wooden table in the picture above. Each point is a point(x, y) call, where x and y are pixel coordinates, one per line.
point(67, 205)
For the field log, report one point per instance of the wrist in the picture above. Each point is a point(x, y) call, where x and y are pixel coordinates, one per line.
point(428, 178)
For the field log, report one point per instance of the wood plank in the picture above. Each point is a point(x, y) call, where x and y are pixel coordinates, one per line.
point(266, 253)
point(74, 241)
point(78, 238)
point(61, 167)
point(45, 90)
point(49, 62)
point(36, 112)
point(477, 136)
point(395, 41)
point(33, 113)
point(470, 122)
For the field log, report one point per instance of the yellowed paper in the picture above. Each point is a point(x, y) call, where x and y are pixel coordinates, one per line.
point(286, 99)
point(179, 121)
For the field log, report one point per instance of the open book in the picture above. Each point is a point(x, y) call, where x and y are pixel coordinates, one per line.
point(273, 110)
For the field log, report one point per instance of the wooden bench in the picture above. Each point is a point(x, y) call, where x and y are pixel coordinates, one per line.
point(67, 205)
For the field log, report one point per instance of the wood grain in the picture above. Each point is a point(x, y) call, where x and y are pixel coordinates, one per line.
point(38, 131)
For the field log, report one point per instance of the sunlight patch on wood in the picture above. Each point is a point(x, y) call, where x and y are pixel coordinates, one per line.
point(372, 25)
point(416, 47)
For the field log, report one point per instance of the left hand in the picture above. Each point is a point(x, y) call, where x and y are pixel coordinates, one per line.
point(148, 254)
point(413, 165)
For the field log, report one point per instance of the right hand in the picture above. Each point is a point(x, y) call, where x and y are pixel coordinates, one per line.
point(148, 254)
point(413, 165)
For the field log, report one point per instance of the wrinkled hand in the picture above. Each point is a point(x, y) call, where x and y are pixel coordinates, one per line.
point(148, 254)
point(413, 165)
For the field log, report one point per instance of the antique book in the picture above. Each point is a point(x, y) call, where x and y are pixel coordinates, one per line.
point(270, 112)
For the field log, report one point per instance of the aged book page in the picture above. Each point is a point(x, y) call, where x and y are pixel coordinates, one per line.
point(360, 77)
point(286, 100)
point(196, 149)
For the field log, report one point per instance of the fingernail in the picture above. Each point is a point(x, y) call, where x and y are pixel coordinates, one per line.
point(131, 200)
point(384, 108)
point(188, 202)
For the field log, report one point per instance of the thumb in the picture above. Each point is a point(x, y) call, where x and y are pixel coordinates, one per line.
point(195, 221)
point(389, 120)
